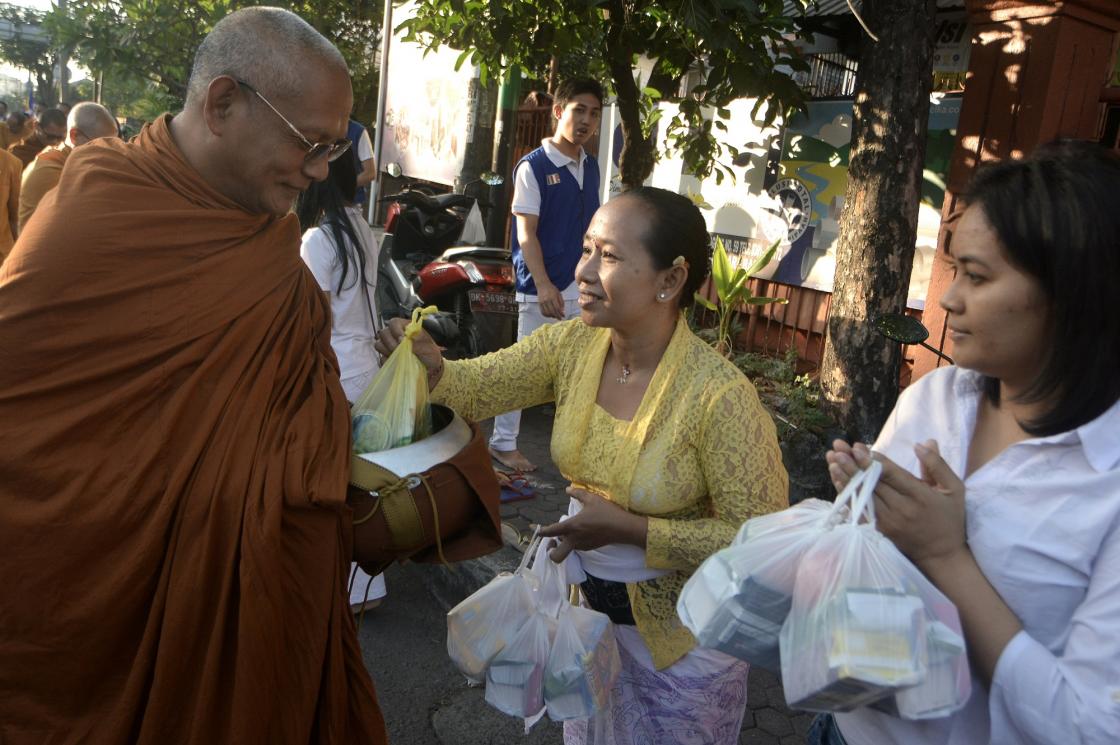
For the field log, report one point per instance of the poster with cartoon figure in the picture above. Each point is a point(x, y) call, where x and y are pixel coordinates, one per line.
point(813, 178)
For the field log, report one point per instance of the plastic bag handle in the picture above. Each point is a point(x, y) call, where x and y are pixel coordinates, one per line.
point(845, 496)
point(530, 551)
point(864, 502)
point(417, 322)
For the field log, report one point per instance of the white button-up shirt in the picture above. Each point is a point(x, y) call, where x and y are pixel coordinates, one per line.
point(1043, 521)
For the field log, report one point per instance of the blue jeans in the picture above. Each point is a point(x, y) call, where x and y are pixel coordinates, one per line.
point(824, 731)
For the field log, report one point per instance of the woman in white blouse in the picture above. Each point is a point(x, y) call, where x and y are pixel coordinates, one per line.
point(1001, 475)
point(339, 248)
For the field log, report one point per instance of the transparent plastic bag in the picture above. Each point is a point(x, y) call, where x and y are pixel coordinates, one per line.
point(484, 623)
point(865, 626)
point(738, 599)
point(583, 666)
point(393, 410)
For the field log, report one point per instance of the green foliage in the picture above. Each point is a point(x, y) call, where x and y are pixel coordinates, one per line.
point(136, 44)
point(29, 50)
point(793, 399)
point(732, 290)
point(737, 49)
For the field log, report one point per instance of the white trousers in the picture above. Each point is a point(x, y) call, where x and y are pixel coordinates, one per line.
point(529, 319)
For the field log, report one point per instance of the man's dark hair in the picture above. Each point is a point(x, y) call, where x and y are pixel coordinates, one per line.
point(54, 118)
point(569, 89)
point(1056, 219)
point(674, 228)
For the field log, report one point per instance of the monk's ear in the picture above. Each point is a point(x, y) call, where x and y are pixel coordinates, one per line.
point(222, 100)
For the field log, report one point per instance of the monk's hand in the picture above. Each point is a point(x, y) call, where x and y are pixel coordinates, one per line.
point(597, 524)
point(924, 517)
point(423, 346)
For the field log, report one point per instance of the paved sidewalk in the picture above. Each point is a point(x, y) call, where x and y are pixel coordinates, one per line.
point(768, 721)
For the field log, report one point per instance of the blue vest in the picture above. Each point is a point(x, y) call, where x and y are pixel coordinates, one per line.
point(354, 132)
point(565, 213)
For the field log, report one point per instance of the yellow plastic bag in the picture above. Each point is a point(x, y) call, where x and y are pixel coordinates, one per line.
point(394, 410)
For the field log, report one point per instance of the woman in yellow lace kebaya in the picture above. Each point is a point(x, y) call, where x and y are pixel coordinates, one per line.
point(666, 445)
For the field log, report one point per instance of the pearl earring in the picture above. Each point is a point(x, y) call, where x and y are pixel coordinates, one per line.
point(661, 295)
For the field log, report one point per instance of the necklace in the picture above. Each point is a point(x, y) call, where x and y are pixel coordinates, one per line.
point(625, 378)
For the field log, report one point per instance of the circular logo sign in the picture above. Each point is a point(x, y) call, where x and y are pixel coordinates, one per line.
point(797, 205)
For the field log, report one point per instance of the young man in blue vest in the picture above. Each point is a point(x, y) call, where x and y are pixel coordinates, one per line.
point(555, 193)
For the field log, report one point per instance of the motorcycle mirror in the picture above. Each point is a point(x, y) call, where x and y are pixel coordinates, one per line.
point(491, 179)
point(901, 328)
point(906, 329)
point(394, 170)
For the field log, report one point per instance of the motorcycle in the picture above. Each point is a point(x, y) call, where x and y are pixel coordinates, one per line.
point(429, 256)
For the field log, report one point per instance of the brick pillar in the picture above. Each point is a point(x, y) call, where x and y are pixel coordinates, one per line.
point(1036, 72)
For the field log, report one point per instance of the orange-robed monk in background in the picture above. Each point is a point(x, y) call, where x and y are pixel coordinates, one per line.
point(173, 435)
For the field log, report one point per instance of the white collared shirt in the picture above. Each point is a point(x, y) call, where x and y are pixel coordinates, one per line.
point(526, 191)
point(1043, 521)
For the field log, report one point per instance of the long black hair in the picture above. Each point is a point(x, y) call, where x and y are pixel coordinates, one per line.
point(324, 204)
point(1056, 218)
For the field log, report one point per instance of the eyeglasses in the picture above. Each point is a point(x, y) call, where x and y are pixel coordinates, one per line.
point(315, 150)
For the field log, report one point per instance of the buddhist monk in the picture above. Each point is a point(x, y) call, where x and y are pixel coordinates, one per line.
point(173, 434)
point(10, 169)
point(86, 122)
point(50, 130)
point(14, 129)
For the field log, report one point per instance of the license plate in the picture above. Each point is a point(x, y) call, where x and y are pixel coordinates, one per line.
point(486, 301)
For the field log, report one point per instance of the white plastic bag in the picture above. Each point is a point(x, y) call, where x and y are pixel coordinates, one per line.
point(583, 666)
point(515, 677)
point(738, 599)
point(865, 626)
point(484, 623)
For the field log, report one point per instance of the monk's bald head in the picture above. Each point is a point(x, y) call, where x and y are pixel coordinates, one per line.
point(269, 48)
point(89, 121)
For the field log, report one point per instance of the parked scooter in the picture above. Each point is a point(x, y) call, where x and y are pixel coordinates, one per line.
point(428, 257)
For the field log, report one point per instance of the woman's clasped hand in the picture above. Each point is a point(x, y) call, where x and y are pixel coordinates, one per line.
point(923, 516)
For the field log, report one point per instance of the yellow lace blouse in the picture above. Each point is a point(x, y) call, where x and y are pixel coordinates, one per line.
point(699, 457)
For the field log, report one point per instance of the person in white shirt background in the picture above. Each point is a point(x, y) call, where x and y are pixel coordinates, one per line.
point(555, 193)
point(340, 250)
point(1001, 475)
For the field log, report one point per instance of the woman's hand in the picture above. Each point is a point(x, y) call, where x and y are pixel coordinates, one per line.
point(598, 523)
point(423, 346)
point(924, 517)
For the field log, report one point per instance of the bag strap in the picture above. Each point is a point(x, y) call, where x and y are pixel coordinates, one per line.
point(864, 502)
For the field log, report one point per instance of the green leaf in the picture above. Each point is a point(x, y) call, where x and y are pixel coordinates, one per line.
point(462, 58)
point(765, 259)
point(705, 302)
point(755, 300)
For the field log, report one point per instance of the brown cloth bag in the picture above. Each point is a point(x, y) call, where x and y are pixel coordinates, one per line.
point(174, 448)
point(448, 513)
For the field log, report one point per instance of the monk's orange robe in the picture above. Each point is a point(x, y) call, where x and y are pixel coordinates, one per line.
point(39, 178)
point(10, 170)
point(173, 462)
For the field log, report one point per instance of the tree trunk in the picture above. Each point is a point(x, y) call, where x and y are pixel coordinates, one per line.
point(878, 225)
point(636, 161)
